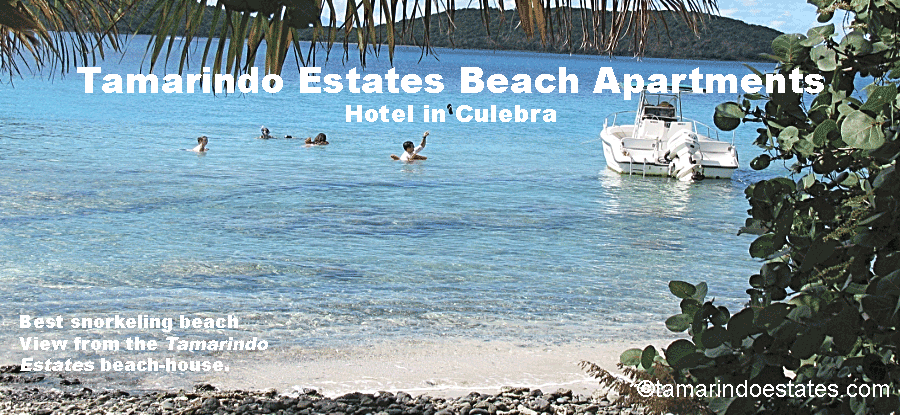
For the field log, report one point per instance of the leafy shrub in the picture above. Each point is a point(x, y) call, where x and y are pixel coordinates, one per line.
point(824, 308)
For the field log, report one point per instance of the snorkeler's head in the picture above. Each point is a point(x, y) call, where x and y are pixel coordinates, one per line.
point(409, 146)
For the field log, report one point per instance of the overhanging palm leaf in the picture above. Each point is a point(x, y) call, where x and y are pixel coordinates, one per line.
point(236, 29)
point(57, 33)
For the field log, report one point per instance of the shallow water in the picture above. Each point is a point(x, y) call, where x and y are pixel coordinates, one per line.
point(510, 231)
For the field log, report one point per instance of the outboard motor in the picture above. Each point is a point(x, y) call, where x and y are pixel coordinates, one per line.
point(684, 149)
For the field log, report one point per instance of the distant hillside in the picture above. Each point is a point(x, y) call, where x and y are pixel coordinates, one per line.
point(721, 38)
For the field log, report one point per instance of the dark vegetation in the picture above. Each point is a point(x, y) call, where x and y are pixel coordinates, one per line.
point(824, 309)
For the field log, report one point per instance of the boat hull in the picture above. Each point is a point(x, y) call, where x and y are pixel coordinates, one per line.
point(648, 157)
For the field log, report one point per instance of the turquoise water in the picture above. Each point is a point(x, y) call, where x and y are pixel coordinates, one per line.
point(512, 231)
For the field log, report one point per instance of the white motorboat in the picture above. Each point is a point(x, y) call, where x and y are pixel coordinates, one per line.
point(660, 142)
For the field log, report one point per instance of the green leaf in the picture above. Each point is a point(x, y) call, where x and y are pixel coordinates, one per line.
point(720, 405)
point(801, 312)
point(852, 180)
point(728, 116)
point(757, 365)
point(841, 327)
point(700, 294)
point(679, 322)
point(760, 162)
point(755, 71)
point(879, 97)
point(778, 273)
point(880, 308)
point(859, 6)
point(648, 356)
point(817, 252)
point(888, 284)
point(679, 349)
point(741, 406)
point(714, 337)
point(870, 219)
point(818, 35)
point(808, 180)
point(861, 131)
point(773, 314)
point(807, 344)
point(820, 135)
point(721, 316)
point(758, 281)
point(764, 246)
point(753, 227)
point(631, 357)
point(789, 47)
point(682, 289)
point(741, 325)
point(856, 43)
point(883, 177)
point(824, 57)
point(690, 361)
point(855, 289)
point(844, 109)
point(690, 306)
point(803, 147)
point(788, 137)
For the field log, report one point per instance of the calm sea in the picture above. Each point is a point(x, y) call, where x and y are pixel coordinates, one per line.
point(509, 231)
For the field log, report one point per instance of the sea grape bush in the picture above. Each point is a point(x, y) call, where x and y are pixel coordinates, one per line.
point(825, 306)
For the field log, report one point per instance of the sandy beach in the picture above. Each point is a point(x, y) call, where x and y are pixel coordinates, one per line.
point(448, 368)
point(446, 374)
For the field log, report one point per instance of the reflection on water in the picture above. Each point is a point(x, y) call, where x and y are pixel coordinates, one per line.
point(506, 231)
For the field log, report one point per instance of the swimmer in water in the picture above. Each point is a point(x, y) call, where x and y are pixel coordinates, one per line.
point(411, 153)
point(318, 141)
point(201, 145)
point(264, 131)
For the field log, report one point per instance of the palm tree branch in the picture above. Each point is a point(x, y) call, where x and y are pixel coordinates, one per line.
point(62, 33)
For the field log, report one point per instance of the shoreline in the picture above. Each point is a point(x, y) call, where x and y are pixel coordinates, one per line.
point(447, 375)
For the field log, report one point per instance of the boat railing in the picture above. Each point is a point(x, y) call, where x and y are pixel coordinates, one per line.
point(615, 117)
point(698, 127)
point(711, 132)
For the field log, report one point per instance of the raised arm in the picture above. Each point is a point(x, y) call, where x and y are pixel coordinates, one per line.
point(423, 138)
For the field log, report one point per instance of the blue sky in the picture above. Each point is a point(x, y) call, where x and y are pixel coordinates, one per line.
point(789, 16)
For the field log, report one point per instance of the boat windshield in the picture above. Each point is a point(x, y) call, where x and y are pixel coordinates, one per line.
point(659, 106)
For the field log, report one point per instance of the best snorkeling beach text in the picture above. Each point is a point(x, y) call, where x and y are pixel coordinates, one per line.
point(473, 80)
point(48, 343)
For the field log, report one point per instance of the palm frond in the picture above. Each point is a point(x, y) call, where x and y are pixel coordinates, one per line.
point(60, 34)
point(57, 34)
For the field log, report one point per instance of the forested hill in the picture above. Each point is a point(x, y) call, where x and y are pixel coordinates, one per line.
point(721, 38)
